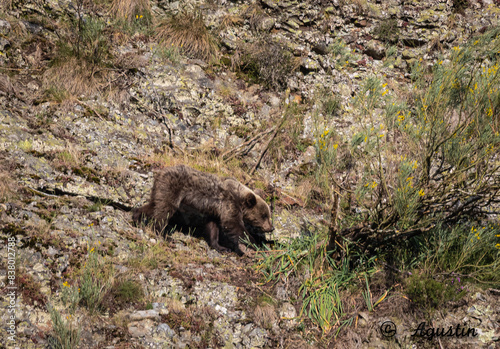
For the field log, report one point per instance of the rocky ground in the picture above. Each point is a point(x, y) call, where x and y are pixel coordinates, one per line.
point(71, 169)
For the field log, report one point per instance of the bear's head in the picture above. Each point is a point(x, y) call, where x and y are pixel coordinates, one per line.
point(256, 212)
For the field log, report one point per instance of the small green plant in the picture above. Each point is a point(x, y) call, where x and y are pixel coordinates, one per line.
point(95, 281)
point(68, 158)
point(341, 53)
point(322, 280)
point(127, 291)
point(64, 335)
point(92, 285)
point(387, 30)
point(147, 257)
point(56, 94)
point(390, 55)
point(331, 106)
point(25, 145)
point(391, 51)
point(70, 296)
point(171, 53)
point(85, 40)
point(82, 50)
point(326, 145)
point(30, 289)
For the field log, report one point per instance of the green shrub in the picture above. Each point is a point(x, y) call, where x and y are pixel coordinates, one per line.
point(85, 39)
point(424, 178)
point(82, 51)
point(470, 251)
point(428, 293)
point(444, 169)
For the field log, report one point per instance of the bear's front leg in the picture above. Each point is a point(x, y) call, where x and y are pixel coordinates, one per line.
point(235, 233)
point(212, 234)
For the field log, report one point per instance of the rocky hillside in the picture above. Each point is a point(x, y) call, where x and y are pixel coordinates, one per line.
point(97, 95)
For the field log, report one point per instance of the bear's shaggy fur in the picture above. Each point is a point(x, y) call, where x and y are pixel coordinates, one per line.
point(222, 204)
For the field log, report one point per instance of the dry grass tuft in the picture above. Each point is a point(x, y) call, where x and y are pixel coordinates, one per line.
point(6, 86)
point(175, 305)
point(71, 157)
point(130, 10)
point(7, 187)
point(75, 76)
point(230, 20)
point(202, 161)
point(265, 316)
point(5, 5)
point(188, 31)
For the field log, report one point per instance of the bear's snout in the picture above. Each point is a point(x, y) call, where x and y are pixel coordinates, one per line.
point(268, 228)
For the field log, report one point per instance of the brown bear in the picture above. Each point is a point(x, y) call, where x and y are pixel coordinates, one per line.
point(222, 204)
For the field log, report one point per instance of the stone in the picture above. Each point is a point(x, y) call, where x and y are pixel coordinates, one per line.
point(140, 328)
point(270, 3)
point(144, 314)
point(309, 65)
point(287, 310)
point(165, 329)
point(33, 28)
point(4, 43)
point(5, 27)
point(375, 49)
point(266, 24)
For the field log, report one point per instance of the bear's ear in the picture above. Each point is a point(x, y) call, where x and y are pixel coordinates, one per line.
point(250, 200)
